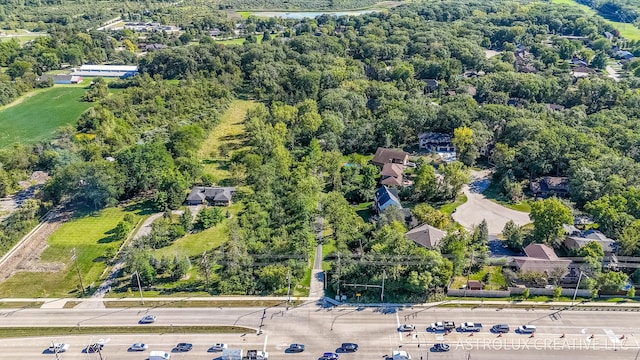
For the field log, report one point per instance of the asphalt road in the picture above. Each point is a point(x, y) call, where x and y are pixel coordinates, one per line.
point(324, 330)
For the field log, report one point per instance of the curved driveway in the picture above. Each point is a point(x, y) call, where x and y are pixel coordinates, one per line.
point(478, 207)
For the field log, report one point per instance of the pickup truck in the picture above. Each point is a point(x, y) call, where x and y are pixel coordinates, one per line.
point(469, 326)
point(442, 326)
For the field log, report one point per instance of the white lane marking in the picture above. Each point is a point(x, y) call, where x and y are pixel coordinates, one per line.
point(612, 336)
point(584, 331)
point(264, 348)
point(398, 326)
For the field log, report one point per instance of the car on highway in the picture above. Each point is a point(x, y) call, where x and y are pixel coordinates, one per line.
point(148, 319)
point(527, 329)
point(139, 347)
point(500, 328)
point(295, 348)
point(349, 347)
point(442, 326)
point(441, 347)
point(470, 327)
point(91, 348)
point(218, 347)
point(406, 327)
point(58, 347)
point(329, 356)
point(183, 347)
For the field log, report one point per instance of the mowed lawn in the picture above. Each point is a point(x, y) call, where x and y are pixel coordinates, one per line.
point(37, 117)
point(89, 234)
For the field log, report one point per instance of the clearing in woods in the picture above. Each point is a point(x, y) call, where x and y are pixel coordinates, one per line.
point(224, 139)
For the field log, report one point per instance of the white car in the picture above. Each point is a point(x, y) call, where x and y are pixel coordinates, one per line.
point(437, 326)
point(407, 327)
point(139, 347)
point(218, 347)
point(527, 329)
point(58, 347)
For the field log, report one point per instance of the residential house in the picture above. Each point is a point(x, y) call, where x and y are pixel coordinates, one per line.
point(515, 102)
point(431, 85)
point(392, 174)
point(581, 71)
point(217, 196)
point(436, 142)
point(576, 240)
point(623, 54)
point(385, 156)
point(554, 107)
point(576, 61)
point(62, 79)
point(550, 185)
point(426, 235)
point(385, 197)
point(540, 258)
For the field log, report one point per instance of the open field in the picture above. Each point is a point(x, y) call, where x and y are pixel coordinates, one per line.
point(226, 136)
point(54, 273)
point(240, 41)
point(628, 31)
point(37, 115)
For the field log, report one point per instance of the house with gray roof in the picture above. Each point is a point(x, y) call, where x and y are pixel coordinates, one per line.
point(216, 196)
point(426, 235)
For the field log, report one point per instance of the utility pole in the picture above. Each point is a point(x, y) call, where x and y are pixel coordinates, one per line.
point(139, 287)
point(289, 288)
point(384, 275)
point(74, 257)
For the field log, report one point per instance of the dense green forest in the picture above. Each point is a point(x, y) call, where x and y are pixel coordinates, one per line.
point(333, 88)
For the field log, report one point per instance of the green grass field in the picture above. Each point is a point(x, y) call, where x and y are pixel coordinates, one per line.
point(240, 41)
point(37, 115)
point(628, 31)
point(89, 234)
point(496, 279)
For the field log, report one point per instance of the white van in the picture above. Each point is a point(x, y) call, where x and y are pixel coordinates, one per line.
point(527, 329)
point(159, 355)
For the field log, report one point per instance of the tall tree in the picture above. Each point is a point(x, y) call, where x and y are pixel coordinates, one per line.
point(548, 216)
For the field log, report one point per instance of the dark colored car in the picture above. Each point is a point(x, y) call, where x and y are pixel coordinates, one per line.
point(349, 347)
point(184, 347)
point(94, 348)
point(295, 348)
point(500, 328)
point(441, 347)
point(329, 356)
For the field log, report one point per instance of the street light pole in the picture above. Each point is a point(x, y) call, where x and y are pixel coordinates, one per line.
point(289, 288)
point(576, 291)
point(74, 257)
point(384, 275)
point(139, 287)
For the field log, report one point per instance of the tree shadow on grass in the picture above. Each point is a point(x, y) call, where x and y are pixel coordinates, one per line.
point(141, 208)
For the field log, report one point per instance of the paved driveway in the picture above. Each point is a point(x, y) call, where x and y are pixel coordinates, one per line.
point(478, 208)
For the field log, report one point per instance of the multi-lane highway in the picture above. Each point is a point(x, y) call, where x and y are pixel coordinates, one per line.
point(587, 334)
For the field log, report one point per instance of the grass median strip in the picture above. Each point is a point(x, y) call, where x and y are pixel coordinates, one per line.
point(198, 303)
point(13, 332)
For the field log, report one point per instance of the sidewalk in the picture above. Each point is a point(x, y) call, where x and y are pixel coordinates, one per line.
point(58, 303)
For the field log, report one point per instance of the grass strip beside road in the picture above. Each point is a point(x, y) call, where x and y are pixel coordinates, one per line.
point(15, 332)
point(197, 303)
point(20, 304)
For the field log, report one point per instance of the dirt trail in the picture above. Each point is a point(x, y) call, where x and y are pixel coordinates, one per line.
point(26, 255)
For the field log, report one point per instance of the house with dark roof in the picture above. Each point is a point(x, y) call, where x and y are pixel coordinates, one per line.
point(549, 186)
point(386, 156)
point(217, 196)
point(426, 235)
point(385, 197)
point(540, 258)
point(431, 85)
point(436, 142)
